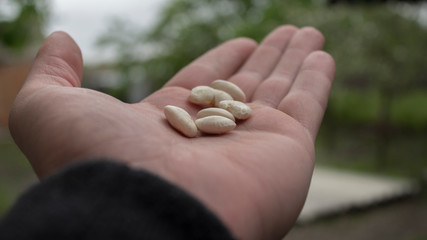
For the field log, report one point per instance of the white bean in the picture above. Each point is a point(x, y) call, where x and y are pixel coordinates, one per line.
point(202, 95)
point(219, 96)
point(215, 124)
point(232, 89)
point(238, 109)
point(180, 120)
point(215, 112)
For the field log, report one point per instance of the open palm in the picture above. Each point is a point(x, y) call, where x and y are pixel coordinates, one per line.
point(254, 178)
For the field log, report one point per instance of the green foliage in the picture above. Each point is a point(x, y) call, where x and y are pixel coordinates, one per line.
point(26, 26)
point(371, 52)
point(355, 107)
point(410, 110)
point(418, 237)
point(15, 173)
point(367, 50)
point(187, 29)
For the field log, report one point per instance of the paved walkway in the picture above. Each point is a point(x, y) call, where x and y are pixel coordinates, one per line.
point(335, 191)
point(399, 220)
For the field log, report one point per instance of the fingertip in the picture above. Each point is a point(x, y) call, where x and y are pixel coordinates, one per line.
point(322, 55)
point(286, 29)
point(323, 61)
point(60, 40)
point(313, 32)
point(60, 58)
point(59, 34)
point(308, 36)
point(280, 36)
point(244, 43)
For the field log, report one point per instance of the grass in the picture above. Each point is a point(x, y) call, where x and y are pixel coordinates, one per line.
point(409, 110)
point(359, 150)
point(15, 173)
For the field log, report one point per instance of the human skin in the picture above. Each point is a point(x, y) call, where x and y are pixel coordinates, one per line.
point(254, 178)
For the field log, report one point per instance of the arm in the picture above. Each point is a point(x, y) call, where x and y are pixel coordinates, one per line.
point(102, 199)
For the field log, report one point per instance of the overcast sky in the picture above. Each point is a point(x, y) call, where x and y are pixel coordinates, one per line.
point(86, 20)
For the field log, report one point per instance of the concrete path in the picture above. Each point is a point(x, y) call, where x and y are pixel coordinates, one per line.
point(400, 220)
point(334, 191)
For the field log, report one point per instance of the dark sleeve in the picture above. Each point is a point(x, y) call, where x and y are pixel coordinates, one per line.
point(106, 200)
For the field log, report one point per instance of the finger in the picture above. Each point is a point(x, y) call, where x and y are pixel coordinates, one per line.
point(308, 97)
point(58, 62)
point(263, 60)
point(276, 86)
point(219, 63)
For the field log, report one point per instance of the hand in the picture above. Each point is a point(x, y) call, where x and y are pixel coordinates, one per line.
point(255, 178)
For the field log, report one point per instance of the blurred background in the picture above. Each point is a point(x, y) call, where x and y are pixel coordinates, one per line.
point(376, 120)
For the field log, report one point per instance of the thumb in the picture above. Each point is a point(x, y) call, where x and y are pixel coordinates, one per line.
point(58, 62)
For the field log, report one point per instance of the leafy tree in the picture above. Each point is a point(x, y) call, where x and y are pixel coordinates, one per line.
point(26, 26)
point(187, 29)
point(373, 45)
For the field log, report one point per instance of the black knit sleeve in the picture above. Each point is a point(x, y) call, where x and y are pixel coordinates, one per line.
point(107, 200)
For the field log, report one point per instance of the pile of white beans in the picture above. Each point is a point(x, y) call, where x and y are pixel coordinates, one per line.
point(224, 102)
